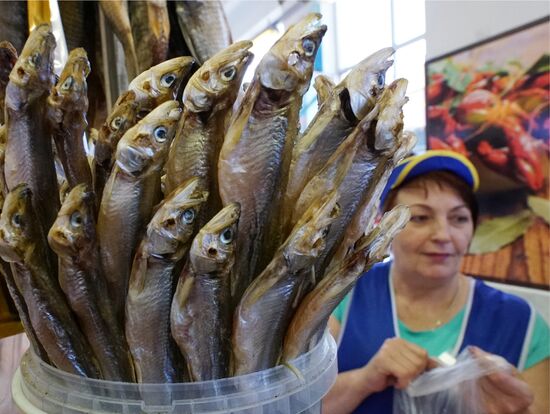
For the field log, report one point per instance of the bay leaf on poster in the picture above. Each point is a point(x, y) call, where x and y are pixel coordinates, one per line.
point(540, 206)
point(493, 234)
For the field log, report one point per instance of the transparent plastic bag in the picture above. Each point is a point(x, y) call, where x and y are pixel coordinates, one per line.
point(449, 389)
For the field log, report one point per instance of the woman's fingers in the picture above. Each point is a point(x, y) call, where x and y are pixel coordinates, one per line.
point(402, 361)
point(502, 391)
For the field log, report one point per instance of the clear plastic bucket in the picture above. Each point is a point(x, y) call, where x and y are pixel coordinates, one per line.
point(39, 388)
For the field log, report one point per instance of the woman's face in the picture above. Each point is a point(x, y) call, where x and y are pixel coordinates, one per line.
point(436, 238)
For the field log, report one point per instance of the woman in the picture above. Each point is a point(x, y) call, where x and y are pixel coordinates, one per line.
point(405, 313)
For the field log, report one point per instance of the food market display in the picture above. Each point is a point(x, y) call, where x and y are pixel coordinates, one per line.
point(199, 234)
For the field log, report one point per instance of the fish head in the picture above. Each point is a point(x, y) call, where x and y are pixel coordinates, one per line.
point(18, 225)
point(218, 77)
point(71, 91)
point(122, 117)
point(174, 223)
point(389, 123)
point(34, 68)
point(377, 242)
point(213, 249)
point(406, 143)
point(288, 65)
point(144, 146)
point(308, 238)
point(161, 82)
point(365, 82)
point(74, 228)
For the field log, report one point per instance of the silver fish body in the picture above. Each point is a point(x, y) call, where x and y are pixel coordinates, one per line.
point(204, 27)
point(29, 155)
point(152, 284)
point(342, 108)
point(201, 309)
point(22, 243)
point(258, 144)
point(266, 308)
point(130, 194)
point(207, 101)
point(67, 107)
point(73, 238)
point(312, 315)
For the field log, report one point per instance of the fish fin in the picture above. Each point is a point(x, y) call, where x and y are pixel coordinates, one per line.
point(295, 371)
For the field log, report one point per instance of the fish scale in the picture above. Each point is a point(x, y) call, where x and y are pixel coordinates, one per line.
point(84, 284)
point(352, 188)
point(260, 156)
point(201, 309)
point(267, 305)
point(153, 348)
point(152, 284)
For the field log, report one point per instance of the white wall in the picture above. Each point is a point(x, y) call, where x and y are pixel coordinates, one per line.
point(451, 25)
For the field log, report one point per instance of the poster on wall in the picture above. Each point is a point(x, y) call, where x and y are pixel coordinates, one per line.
point(490, 102)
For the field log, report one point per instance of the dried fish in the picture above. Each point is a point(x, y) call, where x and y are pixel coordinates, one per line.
point(66, 110)
point(152, 282)
point(201, 309)
point(130, 194)
point(207, 101)
point(258, 144)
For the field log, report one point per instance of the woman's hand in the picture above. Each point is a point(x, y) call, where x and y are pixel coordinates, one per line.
point(503, 391)
point(396, 363)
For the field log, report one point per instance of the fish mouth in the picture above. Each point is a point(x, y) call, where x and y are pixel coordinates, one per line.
point(132, 160)
point(60, 239)
point(20, 76)
point(209, 260)
point(8, 251)
point(200, 101)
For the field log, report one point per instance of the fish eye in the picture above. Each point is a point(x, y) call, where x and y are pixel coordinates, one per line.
point(17, 220)
point(227, 236)
point(167, 80)
point(76, 219)
point(381, 80)
point(67, 84)
point(116, 123)
point(188, 216)
point(229, 73)
point(36, 59)
point(309, 47)
point(160, 133)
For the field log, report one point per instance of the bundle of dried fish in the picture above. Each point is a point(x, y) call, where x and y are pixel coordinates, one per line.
point(343, 106)
point(148, 90)
point(130, 194)
point(266, 307)
point(201, 309)
point(207, 101)
point(73, 237)
point(312, 316)
point(152, 287)
point(258, 144)
point(22, 243)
